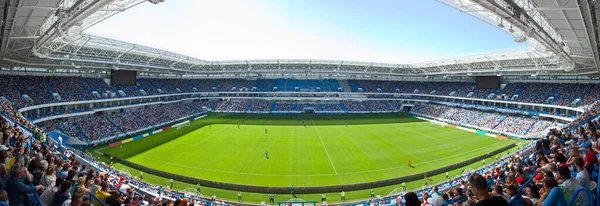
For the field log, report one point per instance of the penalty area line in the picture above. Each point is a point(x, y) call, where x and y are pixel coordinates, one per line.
point(326, 152)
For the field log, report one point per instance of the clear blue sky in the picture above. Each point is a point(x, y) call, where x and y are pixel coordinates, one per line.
point(400, 31)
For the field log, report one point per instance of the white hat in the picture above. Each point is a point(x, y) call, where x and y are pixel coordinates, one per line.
point(3, 147)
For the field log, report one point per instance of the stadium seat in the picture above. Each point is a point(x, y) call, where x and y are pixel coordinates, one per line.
point(581, 189)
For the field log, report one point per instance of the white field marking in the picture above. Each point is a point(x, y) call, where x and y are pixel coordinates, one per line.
point(314, 175)
point(326, 152)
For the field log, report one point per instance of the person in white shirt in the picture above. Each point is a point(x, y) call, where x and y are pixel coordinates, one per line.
point(583, 177)
point(125, 187)
point(48, 194)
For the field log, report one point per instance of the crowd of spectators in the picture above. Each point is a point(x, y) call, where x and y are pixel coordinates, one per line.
point(36, 170)
point(285, 106)
point(381, 106)
point(260, 106)
point(567, 93)
point(515, 125)
point(329, 107)
point(356, 106)
point(40, 89)
point(113, 123)
point(233, 106)
point(487, 120)
point(71, 88)
point(504, 123)
point(127, 120)
point(536, 92)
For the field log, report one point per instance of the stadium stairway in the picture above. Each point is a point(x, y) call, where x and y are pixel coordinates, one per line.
point(343, 106)
point(529, 129)
point(80, 132)
point(274, 106)
point(248, 107)
point(500, 122)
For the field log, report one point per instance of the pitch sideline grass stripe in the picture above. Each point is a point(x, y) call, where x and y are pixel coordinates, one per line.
point(326, 152)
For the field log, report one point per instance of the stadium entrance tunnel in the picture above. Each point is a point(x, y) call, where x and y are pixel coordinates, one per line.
point(305, 190)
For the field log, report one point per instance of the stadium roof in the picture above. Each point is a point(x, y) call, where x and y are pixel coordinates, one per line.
point(48, 34)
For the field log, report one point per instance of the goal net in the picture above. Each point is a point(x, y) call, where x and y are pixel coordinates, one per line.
point(187, 124)
point(125, 171)
point(192, 192)
point(398, 191)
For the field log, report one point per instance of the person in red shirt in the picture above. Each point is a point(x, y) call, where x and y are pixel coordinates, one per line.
point(409, 163)
point(590, 159)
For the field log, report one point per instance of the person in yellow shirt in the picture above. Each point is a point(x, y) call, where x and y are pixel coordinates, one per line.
point(102, 194)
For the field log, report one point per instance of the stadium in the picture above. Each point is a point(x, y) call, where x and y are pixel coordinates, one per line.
point(92, 116)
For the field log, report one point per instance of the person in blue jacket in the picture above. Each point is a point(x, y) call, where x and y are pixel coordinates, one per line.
point(16, 187)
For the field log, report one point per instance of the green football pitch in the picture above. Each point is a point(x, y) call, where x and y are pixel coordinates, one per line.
point(330, 150)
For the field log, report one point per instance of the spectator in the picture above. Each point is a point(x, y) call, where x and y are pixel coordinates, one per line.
point(590, 159)
point(515, 199)
point(3, 198)
point(479, 188)
point(412, 199)
point(551, 194)
point(583, 177)
point(570, 185)
point(51, 190)
point(532, 193)
point(61, 195)
point(102, 194)
point(16, 188)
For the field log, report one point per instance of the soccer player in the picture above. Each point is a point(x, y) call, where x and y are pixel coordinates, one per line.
point(409, 163)
point(483, 161)
point(425, 174)
point(343, 196)
point(267, 154)
point(266, 131)
point(292, 191)
point(323, 197)
point(272, 198)
point(372, 194)
point(141, 175)
point(446, 175)
point(496, 157)
point(240, 196)
point(171, 183)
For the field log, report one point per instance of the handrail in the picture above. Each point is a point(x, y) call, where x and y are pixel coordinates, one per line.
point(37, 201)
point(95, 198)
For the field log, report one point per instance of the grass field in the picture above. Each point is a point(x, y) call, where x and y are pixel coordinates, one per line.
point(326, 152)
